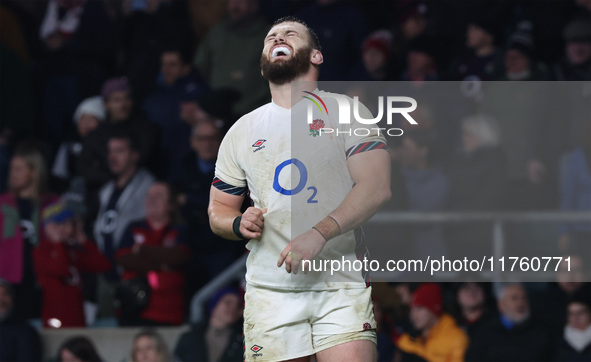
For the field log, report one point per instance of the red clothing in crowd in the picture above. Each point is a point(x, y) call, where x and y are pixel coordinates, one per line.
point(160, 253)
point(58, 267)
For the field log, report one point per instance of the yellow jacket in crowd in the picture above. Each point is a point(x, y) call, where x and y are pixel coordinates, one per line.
point(446, 342)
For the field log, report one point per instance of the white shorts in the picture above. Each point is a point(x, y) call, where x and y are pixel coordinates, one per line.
point(281, 325)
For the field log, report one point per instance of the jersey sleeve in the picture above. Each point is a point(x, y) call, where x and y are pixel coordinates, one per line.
point(363, 137)
point(229, 175)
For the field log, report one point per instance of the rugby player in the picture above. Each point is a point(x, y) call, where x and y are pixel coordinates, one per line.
point(342, 182)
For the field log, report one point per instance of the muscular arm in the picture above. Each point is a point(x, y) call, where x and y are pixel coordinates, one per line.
point(224, 208)
point(371, 173)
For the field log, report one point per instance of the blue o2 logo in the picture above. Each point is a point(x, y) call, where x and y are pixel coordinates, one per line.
point(301, 184)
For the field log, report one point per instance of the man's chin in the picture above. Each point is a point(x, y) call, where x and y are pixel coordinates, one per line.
point(279, 59)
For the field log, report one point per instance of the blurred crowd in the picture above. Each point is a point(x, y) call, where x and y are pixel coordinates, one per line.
point(113, 111)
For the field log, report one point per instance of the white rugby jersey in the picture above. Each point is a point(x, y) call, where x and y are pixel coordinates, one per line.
point(300, 175)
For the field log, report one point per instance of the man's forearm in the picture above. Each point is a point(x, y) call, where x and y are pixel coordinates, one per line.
point(362, 202)
point(371, 174)
point(221, 220)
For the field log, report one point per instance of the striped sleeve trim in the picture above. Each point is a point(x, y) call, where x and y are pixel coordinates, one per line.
point(367, 146)
point(227, 188)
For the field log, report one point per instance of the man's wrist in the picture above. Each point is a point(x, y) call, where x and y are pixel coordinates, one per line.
point(236, 227)
point(328, 227)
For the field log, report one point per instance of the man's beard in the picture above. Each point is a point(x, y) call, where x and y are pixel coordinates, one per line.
point(283, 72)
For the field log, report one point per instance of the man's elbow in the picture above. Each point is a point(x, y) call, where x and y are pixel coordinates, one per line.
point(213, 221)
point(385, 194)
point(212, 224)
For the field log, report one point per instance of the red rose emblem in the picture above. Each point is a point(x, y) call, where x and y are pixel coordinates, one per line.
point(317, 124)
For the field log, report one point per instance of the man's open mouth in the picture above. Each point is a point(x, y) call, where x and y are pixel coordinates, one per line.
point(280, 51)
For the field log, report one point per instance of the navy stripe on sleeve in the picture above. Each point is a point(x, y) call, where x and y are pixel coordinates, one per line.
point(366, 146)
point(227, 188)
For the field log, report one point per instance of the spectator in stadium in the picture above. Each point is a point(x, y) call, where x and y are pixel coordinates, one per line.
point(477, 176)
point(411, 21)
point(575, 194)
point(436, 336)
point(576, 64)
point(211, 254)
point(20, 217)
point(421, 63)
point(88, 115)
point(155, 248)
point(575, 344)
point(215, 106)
point(190, 110)
point(513, 334)
point(148, 26)
point(207, 14)
point(59, 259)
point(484, 60)
point(177, 78)
point(520, 57)
point(19, 341)
point(520, 109)
point(78, 49)
point(427, 187)
point(121, 202)
point(554, 139)
point(401, 313)
point(341, 29)
point(78, 349)
point(375, 58)
point(220, 337)
point(240, 33)
point(148, 346)
point(20, 107)
point(471, 305)
point(570, 281)
point(120, 117)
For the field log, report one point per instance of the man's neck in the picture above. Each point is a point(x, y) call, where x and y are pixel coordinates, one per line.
point(124, 178)
point(485, 50)
point(282, 94)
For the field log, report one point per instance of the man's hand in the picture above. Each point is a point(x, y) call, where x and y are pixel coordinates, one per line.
point(304, 247)
point(251, 225)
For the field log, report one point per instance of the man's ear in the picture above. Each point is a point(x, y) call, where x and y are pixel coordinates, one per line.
point(316, 58)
